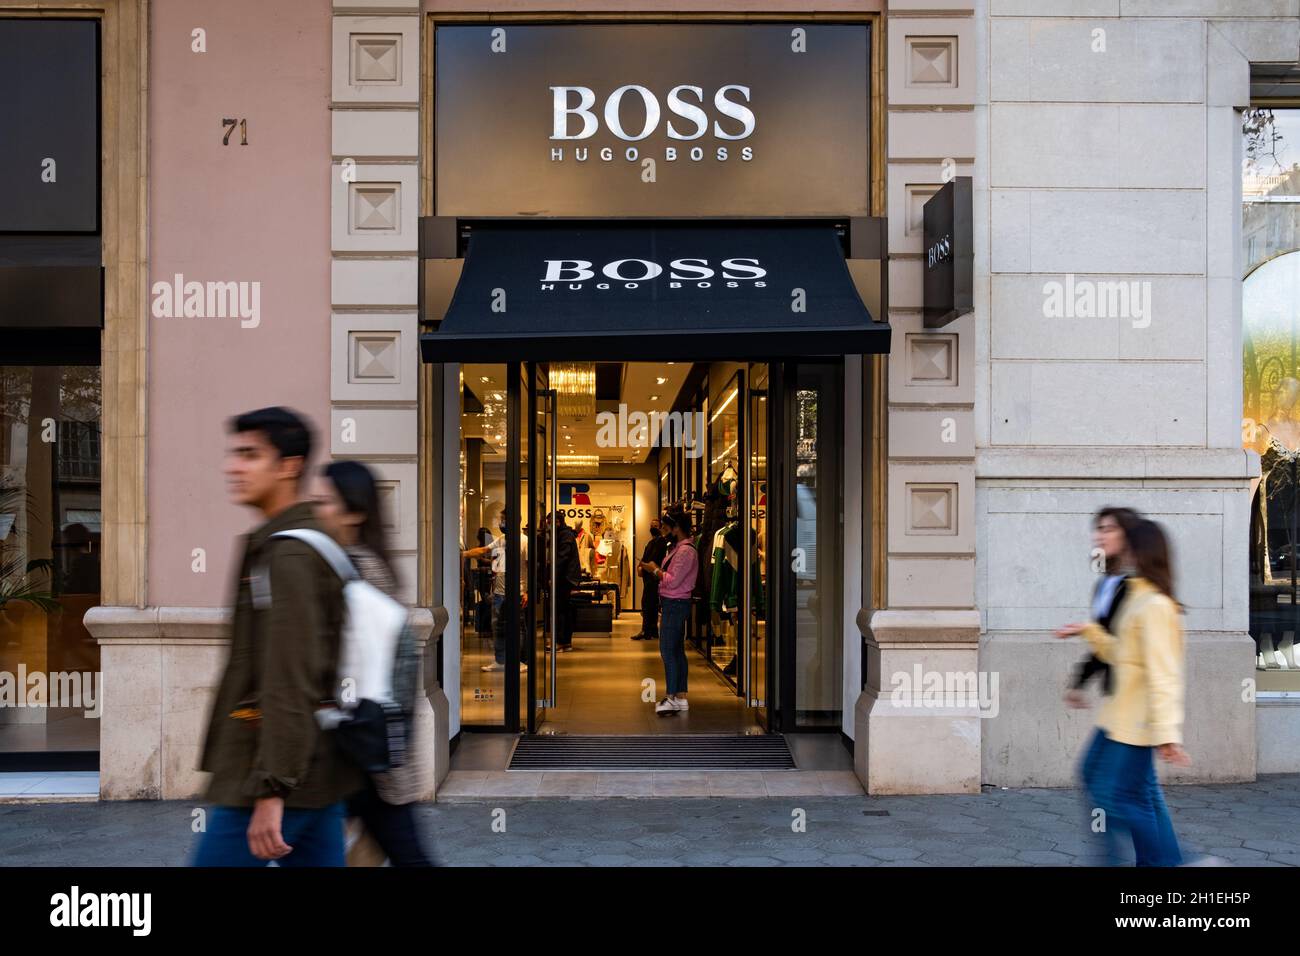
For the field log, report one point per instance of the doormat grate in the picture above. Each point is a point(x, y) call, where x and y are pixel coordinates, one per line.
point(653, 752)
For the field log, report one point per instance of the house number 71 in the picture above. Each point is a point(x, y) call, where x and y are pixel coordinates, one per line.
point(243, 131)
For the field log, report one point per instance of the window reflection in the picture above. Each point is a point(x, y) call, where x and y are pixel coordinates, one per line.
point(50, 546)
point(482, 505)
point(1271, 384)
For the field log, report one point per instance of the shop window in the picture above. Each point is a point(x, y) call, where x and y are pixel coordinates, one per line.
point(724, 467)
point(819, 519)
point(50, 547)
point(482, 502)
point(1271, 386)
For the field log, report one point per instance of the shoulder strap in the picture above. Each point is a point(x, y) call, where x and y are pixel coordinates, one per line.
point(326, 547)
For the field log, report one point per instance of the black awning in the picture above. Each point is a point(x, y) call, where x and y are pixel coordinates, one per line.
point(657, 292)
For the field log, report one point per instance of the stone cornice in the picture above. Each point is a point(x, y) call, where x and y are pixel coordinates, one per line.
point(1232, 464)
point(920, 626)
point(202, 625)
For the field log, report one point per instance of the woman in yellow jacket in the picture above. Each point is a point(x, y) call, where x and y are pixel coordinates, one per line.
point(1143, 716)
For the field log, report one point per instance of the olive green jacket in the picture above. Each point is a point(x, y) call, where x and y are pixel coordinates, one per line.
point(263, 739)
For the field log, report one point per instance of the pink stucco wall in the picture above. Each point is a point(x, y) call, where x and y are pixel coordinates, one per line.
point(259, 212)
point(655, 6)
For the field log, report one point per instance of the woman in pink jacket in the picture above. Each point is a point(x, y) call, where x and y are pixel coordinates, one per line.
point(676, 582)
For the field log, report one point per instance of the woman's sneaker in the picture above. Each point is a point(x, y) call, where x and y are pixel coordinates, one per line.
point(666, 706)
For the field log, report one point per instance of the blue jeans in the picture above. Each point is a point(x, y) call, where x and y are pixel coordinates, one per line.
point(672, 641)
point(1121, 780)
point(315, 835)
point(499, 628)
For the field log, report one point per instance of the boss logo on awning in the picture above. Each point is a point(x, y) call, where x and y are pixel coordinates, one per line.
point(574, 274)
point(685, 102)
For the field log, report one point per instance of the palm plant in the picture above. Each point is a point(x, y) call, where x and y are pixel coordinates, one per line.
point(16, 582)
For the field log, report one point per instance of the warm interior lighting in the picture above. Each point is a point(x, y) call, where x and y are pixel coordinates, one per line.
point(723, 407)
point(576, 464)
point(575, 388)
point(724, 453)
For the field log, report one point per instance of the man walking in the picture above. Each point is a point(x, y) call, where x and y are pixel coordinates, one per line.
point(653, 554)
point(568, 575)
point(278, 781)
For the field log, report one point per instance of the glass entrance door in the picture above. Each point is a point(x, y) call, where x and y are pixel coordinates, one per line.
point(759, 633)
point(763, 484)
point(540, 501)
point(816, 637)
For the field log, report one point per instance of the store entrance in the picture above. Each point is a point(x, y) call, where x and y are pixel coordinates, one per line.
point(565, 468)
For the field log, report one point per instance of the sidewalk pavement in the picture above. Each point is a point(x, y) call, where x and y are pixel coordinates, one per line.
point(1251, 824)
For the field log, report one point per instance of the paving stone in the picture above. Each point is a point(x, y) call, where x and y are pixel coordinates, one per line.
point(796, 855)
point(1046, 857)
point(945, 859)
point(1272, 847)
point(1237, 853)
point(1246, 824)
point(894, 853)
point(850, 859)
point(517, 859)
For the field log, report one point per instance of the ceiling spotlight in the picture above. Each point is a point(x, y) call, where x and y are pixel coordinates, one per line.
point(485, 378)
point(498, 397)
point(660, 380)
point(654, 398)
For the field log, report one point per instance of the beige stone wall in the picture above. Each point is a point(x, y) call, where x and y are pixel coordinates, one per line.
point(1109, 150)
point(933, 64)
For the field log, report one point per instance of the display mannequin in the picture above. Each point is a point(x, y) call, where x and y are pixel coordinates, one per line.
point(1279, 464)
point(583, 540)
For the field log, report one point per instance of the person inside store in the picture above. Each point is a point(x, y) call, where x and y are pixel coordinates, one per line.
point(496, 550)
point(568, 575)
point(676, 581)
point(653, 554)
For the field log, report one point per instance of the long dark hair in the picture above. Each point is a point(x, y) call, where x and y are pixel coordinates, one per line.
point(356, 487)
point(1150, 550)
point(1126, 518)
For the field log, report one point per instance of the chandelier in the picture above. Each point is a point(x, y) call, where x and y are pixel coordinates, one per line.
point(575, 389)
point(576, 465)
